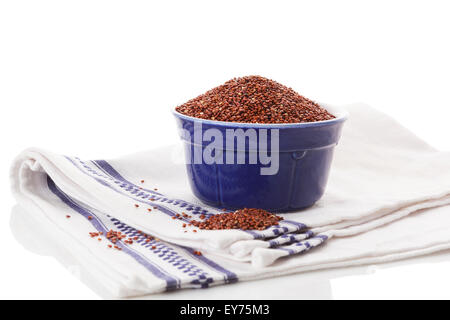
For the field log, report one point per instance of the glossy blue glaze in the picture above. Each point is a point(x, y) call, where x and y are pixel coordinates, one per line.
point(305, 155)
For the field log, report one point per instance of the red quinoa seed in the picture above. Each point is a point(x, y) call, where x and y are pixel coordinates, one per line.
point(245, 219)
point(254, 99)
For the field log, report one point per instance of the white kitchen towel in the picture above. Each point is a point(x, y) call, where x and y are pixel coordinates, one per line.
point(387, 198)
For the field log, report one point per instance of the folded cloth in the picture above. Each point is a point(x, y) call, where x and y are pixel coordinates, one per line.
point(387, 199)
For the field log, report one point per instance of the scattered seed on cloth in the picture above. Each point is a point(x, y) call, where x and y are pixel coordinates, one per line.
point(245, 219)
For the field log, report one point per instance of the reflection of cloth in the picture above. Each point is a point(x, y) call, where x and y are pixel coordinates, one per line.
point(376, 208)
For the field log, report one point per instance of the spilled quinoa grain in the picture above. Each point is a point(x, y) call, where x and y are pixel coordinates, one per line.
point(244, 219)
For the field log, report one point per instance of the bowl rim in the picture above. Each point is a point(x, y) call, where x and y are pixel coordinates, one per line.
point(340, 113)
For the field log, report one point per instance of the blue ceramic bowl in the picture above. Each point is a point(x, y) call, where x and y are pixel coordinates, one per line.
point(304, 156)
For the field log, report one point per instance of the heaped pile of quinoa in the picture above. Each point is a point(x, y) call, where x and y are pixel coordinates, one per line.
point(254, 99)
point(244, 219)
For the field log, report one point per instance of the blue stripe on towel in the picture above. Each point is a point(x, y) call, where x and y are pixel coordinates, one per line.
point(171, 282)
point(166, 253)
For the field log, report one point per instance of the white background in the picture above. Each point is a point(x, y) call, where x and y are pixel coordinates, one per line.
point(98, 79)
